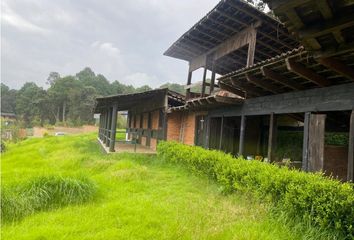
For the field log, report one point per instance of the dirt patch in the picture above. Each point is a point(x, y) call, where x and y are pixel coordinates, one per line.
point(39, 131)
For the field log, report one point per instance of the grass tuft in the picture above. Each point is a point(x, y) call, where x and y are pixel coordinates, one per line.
point(44, 193)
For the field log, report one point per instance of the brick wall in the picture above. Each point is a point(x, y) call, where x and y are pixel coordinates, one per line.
point(143, 141)
point(153, 143)
point(336, 161)
point(173, 126)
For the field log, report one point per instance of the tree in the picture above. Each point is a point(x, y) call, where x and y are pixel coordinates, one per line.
point(174, 87)
point(259, 4)
point(143, 88)
point(30, 103)
point(52, 78)
point(8, 99)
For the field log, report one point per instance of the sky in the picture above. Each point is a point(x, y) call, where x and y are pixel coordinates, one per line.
point(123, 40)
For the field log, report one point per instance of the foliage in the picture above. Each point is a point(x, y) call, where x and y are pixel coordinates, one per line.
point(174, 87)
point(8, 99)
point(324, 202)
point(44, 193)
point(139, 197)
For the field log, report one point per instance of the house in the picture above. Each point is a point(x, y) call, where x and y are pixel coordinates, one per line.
point(270, 80)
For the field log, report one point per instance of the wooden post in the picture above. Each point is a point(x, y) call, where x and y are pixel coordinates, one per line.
point(242, 135)
point(351, 149)
point(221, 132)
point(251, 49)
point(204, 79)
point(212, 81)
point(109, 123)
point(189, 81)
point(105, 127)
point(272, 136)
point(305, 143)
point(316, 142)
point(207, 132)
point(113, 128)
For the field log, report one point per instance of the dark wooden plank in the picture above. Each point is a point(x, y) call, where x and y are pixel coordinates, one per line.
point(350, 172)
point(272, 137)
point(212, 81)
point(113, 129)
point(242, 136)
point(262, 84)
point(109, 122)
point(270, 74)
point(251, 48)
point(306, 73)
point(337, 66)
point(247, 88)
point(316, 142)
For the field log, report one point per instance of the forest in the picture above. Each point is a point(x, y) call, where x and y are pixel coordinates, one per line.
point(68, 100)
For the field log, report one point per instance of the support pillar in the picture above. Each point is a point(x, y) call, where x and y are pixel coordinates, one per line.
point(221, 132)
point(204, 79)
point(112, 141)
point(189, 81)
point(316, 142)
point(212, 81)
point(242, 135)
point(305, 142)
point(351, 149)
point(109, 122)
point(105, 127)
point(272, 136)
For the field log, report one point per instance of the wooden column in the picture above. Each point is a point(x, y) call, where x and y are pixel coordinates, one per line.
point(316, 142)
point(242, 135)
point(112, 142)
point(100, 127)
point(109, 122)
point(221, 132)
point(207, 132)
point(272, 136)
point(189, 81)
point(305, 143)
point(204, 79)
point(251, 48)
point(351, 149)
point(105, 126)
point(212, 81)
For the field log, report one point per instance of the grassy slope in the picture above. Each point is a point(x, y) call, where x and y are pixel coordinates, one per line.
point(139, 198)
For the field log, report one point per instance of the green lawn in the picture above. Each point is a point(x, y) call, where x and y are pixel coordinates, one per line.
point(138, 197)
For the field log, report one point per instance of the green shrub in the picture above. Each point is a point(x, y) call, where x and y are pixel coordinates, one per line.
point(324, 202)
point(44, 193)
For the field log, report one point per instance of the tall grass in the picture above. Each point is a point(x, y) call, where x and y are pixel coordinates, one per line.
point(44, 193)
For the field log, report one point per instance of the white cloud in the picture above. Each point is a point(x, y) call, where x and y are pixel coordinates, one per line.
point(140, 78)
point(8, 16)
point(106, 47)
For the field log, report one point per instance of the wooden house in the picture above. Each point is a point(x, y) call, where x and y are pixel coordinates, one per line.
point(291, 73)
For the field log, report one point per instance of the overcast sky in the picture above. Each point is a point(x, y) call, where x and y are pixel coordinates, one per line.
point(123, 40)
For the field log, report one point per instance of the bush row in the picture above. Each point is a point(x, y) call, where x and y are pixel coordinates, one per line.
point(324, 202)
point(44, 193)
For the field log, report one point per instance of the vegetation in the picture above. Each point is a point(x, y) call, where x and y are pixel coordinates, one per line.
point(307, 197)
point(127, 196)
point(68, 100)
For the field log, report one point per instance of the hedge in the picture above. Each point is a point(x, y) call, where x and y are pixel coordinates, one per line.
point(325, 202)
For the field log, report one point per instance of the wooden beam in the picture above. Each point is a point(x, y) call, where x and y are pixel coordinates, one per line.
point(251, 48)
point(247, 88)
point(262, 84)
point(306, 73)
point(305, 142)
point(212, 81)
point(270, 74)
point(231, 89)
point(242, 136)
point(324, 8)
point(327, 27)
point(316, 142)
point(113, 129)
point(189, 81)
point(337, 66)
point(350, 172)
point(294, 18)
point(272, 137)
